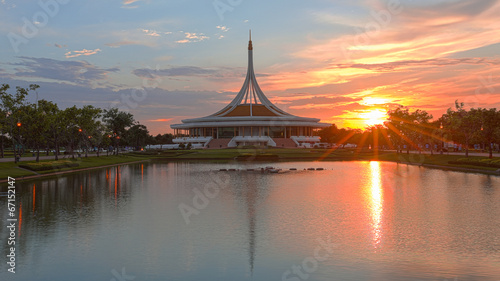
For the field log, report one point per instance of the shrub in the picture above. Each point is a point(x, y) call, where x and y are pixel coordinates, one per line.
point(50, 165)
point(486, 162)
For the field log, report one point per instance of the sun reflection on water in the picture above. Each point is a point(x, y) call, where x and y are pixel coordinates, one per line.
point(376, 201)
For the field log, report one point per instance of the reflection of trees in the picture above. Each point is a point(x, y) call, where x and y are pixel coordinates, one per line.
point(75, 201)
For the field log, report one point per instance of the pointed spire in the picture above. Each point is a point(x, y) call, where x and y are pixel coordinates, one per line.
point(250, 47)
point(250, 94)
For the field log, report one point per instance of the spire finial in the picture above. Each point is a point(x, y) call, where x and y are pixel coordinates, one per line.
point(250, 47)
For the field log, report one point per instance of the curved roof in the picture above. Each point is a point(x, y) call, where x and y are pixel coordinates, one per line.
point(246, 110)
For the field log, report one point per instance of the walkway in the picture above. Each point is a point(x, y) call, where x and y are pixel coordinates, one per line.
point(31, 158)
point(482, 154)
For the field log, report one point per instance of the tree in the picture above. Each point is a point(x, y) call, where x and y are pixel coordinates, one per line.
point(56, 126)
point(117, 122)
point(397, 123)
point(421, 128)
point(3, 120)
point(329, 134)
point(464, 124)
point(70, 130)
point(35, 126)
point(11, 105)
point(407, 127)
point(99, 137)
point(137, 136)
point(87, 122)
point(151, 140)
point(377, 136)
point(490, 129)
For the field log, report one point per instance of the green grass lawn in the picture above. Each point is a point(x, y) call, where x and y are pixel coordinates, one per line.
point(11, 169)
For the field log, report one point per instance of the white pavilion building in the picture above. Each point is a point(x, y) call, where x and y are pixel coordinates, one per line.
point(250, 119)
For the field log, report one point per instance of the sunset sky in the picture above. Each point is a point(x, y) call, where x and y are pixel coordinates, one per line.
point(345, 62)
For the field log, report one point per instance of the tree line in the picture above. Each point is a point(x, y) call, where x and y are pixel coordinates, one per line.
point(416, 130)
point(43, 126)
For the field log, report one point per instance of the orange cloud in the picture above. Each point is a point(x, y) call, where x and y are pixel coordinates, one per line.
point(414, 34)
point(161, 120)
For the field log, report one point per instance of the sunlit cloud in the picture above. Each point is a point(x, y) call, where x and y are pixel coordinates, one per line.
point(223, 28)
point(374, 100)
point(429, 37)
point(127, 4)
point(193, 37)
point(405, 64)
point(151, 33)
point(84, 52)
point(314, 106)
point(136, 36)
point(161, 120)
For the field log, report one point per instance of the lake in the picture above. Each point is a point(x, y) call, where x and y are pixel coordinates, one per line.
point(191, 221)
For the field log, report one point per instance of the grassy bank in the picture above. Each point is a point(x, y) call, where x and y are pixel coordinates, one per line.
point(13, 170)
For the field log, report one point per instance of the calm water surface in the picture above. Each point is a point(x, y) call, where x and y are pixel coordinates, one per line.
point(189, 221)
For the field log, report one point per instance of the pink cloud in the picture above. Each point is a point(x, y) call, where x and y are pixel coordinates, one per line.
point(128, 2)
point(84, 52)
point(161, 120)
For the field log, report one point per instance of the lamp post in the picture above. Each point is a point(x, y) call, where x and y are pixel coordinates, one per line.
point(17, 154)
point(1, 138)
point(117, 145)
point(80, 141)
point(109, 145)
point(89, 144)
point(484, 144)
point(115, 142)
point(442, 137)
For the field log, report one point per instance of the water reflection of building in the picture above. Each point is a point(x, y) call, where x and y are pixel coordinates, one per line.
point(248, 189)
point(251, 200)
point(250, 119)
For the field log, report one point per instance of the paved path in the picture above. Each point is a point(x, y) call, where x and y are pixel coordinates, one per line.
point(483, 154)
point(31, 158)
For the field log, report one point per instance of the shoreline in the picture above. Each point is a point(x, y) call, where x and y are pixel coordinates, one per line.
point(452, 168)
point(284, 156)
point(22, 178)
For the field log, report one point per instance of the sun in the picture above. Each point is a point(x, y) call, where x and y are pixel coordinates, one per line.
point(374, 117)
